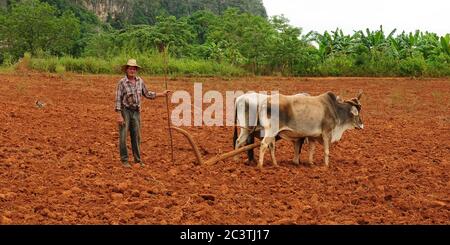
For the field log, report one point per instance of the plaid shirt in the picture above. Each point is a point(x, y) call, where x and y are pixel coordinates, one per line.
point(129, 95)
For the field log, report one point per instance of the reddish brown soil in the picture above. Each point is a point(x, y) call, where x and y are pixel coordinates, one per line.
point(60, 164)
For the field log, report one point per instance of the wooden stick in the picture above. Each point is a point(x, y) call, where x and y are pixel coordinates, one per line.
point(192, 143)
point(231, 153)
point(167, 102)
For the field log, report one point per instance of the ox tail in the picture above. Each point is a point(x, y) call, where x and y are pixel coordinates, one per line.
point(256, 126)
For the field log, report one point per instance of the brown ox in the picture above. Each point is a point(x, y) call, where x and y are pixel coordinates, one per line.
point(322, 118)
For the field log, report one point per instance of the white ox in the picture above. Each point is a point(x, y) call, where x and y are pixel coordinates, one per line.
point(247, 107)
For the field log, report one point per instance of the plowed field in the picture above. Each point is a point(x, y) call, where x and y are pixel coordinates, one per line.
point(60, 164)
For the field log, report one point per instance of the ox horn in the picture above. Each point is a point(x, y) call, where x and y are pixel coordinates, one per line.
point(359, 94)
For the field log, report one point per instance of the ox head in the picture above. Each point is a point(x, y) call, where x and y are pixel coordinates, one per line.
point(355, 111)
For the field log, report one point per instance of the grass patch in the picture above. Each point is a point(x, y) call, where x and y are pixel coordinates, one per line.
point(60, 70)
point(151, 65)
point(7, 69)
point(374, 64)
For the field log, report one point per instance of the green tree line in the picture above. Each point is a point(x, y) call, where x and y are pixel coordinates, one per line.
point(251, 43)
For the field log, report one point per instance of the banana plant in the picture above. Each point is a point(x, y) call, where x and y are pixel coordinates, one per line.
point(325, 43)
point(445, 44)
point(376, 39)
point(428, 44)
point(342, 43)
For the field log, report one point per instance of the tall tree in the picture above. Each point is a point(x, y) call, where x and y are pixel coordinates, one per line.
point(31, 26)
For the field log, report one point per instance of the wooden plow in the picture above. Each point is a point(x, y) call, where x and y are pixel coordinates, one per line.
point(215, 159)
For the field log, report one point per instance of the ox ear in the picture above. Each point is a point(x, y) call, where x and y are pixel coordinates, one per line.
point(359, 94)
point(354, 111)
point(339, 99)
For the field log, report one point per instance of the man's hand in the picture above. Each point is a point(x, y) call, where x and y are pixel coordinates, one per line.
point(120, 120)
point(164, 93)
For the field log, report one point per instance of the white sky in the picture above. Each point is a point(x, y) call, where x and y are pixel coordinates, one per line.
point(349, 15)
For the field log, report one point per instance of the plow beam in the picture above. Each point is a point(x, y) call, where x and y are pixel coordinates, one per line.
point(216, 159)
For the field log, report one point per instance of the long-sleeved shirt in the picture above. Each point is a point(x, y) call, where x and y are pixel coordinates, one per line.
point(129, 94)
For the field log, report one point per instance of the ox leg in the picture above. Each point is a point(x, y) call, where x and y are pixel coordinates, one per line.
point(312, 148)
point(250, 153)
point(262, 150)
point(326, 148)
point(243, 136)
point(272, 153)
point(297, 150)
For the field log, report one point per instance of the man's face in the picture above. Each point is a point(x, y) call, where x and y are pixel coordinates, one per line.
point(131, 71)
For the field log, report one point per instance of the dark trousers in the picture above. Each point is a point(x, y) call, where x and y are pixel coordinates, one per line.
point(132, 122)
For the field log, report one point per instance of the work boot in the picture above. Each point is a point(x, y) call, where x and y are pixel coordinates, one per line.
point(126, 164)
point(141, 164)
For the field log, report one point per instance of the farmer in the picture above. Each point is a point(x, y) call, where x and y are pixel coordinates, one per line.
point(128, 104)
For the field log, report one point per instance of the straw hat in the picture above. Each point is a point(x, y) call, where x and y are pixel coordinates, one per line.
point(131, 62)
